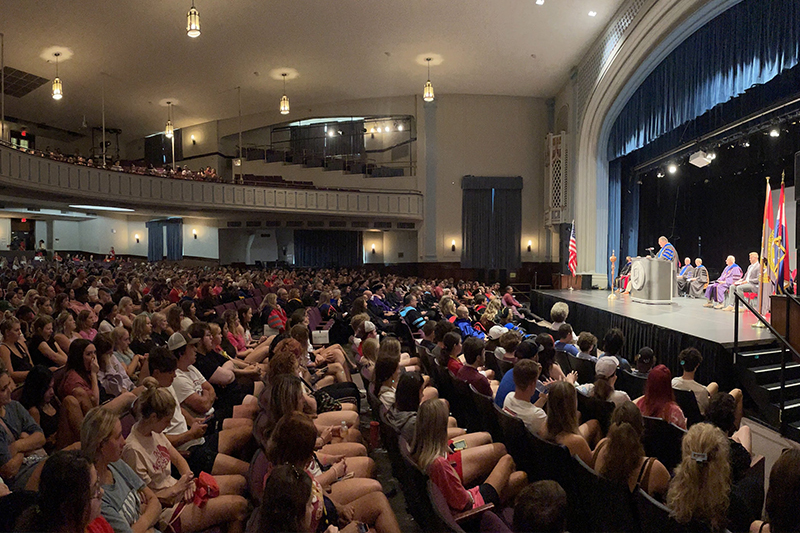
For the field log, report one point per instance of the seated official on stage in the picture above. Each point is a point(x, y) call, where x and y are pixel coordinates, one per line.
point(716, 290)
point(686, 273)
point(749, 283)
point(624, 274)
point(699, 280)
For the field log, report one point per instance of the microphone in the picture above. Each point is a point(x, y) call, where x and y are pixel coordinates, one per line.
point(650, 249)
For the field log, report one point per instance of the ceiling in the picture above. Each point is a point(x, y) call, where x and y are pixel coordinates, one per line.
point(340, 50)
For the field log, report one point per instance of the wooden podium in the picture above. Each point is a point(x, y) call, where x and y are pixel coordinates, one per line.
point(566, 281)
point(778, 318)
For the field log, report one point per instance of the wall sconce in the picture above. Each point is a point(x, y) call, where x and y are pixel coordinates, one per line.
point(194, 232)
point(529, 245)
point(373, 248)
point(137, 238)
point(453, 246)
point(193, 140)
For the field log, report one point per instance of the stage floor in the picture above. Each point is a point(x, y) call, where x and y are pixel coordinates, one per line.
point(685, 315)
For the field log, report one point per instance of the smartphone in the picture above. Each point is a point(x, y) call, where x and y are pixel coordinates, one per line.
point(347, 476)
point(459, 445)
point(362, 527)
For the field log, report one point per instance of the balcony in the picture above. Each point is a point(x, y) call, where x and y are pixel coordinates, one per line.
point(33, 176)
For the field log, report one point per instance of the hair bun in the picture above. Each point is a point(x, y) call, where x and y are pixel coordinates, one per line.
point(150, 383)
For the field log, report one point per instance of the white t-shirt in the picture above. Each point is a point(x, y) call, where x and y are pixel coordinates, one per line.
point(178, 424)
point(534, 417)
point(700, 391)
point(188, 383)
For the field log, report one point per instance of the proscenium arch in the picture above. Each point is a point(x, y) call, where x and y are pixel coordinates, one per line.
point(661, 27)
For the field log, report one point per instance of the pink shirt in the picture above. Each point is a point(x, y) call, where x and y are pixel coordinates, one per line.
point(444, 476)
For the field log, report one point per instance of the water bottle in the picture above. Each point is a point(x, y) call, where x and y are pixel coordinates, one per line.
point(344, 428)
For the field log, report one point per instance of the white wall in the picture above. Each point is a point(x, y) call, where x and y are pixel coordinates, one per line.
point(263, 246)
point(206, 245)
point(5, 233)
point(397, 243)
point(40, 230)
point(66, 235)
point(370, 239)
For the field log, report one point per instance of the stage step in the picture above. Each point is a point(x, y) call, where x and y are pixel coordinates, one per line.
point(761, 357)
point(792, 390)
point(772, 373)
point(793, 431)
point(791, 413)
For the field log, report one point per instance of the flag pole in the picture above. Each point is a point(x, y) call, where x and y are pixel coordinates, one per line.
point(757, 323)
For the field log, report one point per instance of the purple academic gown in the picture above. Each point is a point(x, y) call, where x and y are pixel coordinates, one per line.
point(716, 290)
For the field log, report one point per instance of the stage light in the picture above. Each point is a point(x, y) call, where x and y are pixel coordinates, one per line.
point(672, 168)
point(745, 144)
point(712, 156)
point(592, 13)
point(453, 246)
point(539, 2)
point(380, 129)
point(136, 236)
point(331, 133)
point(658, 175)
point(774, 132)
point(530, 243)
point(399, 127)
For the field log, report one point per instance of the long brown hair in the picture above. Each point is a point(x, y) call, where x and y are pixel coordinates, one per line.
point(562, 410)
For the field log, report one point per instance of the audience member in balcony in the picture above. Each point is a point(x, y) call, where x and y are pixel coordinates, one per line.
point(562, 425)
point(782, 495)
point(700, 496)
point(541, 506)
point(65, 330)
point(659, 400)
point(85, 325)
point(558, 315)
point(645, 361)
point(605, 372)
point(14, 352)
point(60, 422)
point(620, 457)
point(565, 341)
point(433, 454)
point(519, 402)
point(43, 348)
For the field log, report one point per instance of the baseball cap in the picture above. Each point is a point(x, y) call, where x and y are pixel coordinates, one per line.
point(179, 340)
point(606, 366)
point(369, 327)
point(495, 332)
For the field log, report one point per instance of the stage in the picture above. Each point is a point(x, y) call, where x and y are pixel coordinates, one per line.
point(666, 328)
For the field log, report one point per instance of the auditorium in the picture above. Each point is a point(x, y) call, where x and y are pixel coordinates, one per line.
point(511, 266)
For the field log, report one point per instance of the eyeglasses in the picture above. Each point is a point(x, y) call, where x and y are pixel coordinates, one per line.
point(97, 491)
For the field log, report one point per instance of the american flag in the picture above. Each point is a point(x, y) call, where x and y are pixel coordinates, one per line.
point(573, 251)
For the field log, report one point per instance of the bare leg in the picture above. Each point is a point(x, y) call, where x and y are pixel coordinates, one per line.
point(743, 437)
point(477, 439)
point(739, 397)
point(233, 440)
point(429, 393)
point(348, 490)
point(455, 432)
point(227, 465)
point(348, 449)
point(505, 480)
point(230, 510)
point(361, 467)
point(231, 423)
point(257, 354)
point(712, 388)
point(231, 484)
point(324, 382)
point(70, 419)
point(374, 509)
point(334, 418)
point(591, 432)
point(479, 461)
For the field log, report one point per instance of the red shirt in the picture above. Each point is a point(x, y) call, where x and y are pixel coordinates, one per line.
point(475, 378)
point(454, 365)
point(174, 296)
point(99, 525)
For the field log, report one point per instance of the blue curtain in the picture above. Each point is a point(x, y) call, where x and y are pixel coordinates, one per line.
point(174, 239)
point(155, 240)
point(750, 44)
point(327, 249)
point(614, 213)
point(491, 222)
point(629, 220)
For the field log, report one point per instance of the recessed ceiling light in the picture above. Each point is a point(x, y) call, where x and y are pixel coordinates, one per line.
point(102, 208)
point(539, 2)
point(672, 168)
point(592, 13)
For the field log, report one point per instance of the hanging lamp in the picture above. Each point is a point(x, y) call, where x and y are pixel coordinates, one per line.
point(193, 22)
point(284, 98)
point(58, 90)
point(168, 129)
point(427, 93)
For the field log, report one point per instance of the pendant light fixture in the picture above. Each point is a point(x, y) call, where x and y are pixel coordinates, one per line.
point(427, 94)
point(193, 22)
point(284, 98)
point(58, 90)
point(168, 129)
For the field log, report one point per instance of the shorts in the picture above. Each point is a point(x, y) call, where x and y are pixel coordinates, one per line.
point(201, 457)
point(489, 494)
point(25, 473)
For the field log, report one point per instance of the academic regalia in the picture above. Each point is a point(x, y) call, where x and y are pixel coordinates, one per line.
point(697, 285)
point(685, 274)
point(668, 253)
point(716, 291)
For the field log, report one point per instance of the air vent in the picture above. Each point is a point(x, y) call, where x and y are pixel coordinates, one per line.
point(253, 223)
point(272, 223)
point(315, 224)
point(20, 83)
point(359, 224)
point(406, 225)
point(294, 223)
point(234, 224)
point(34, 209)
point(337, 224)
point(266, 235)
point(383, 225)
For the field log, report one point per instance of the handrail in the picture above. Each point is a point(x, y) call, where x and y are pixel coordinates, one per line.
point(784, 346)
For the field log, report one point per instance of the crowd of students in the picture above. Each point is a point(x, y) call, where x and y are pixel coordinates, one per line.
point(165, 414)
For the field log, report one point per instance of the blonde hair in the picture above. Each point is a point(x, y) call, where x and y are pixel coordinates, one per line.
point(369, 349)
point(125, 301)
point(447, 306)
point(559, 312)
point(138, 327)
point(215, 329)
point(390, 346)
point(358, 320)
point(700, 490)
point(491, 309)
point(116, 335)
point(95, 430)
point(158, 317)
point(430, 436)
point(154, 400)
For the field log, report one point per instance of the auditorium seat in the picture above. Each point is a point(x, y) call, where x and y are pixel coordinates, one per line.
point(653, 516)
point(662, 440)
point(464, 409)
point(610, 507)
point(453, 522)
point(630, 383)
point(490, 361)
point(504, 366)
point(687, 401)
point(583, 367)
point(564, 361)
point(485, 407)
point(515, 440)
point(591, 408)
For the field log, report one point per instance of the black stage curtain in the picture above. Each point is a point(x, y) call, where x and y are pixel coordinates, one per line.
point(327, 249)
point(491, 222)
